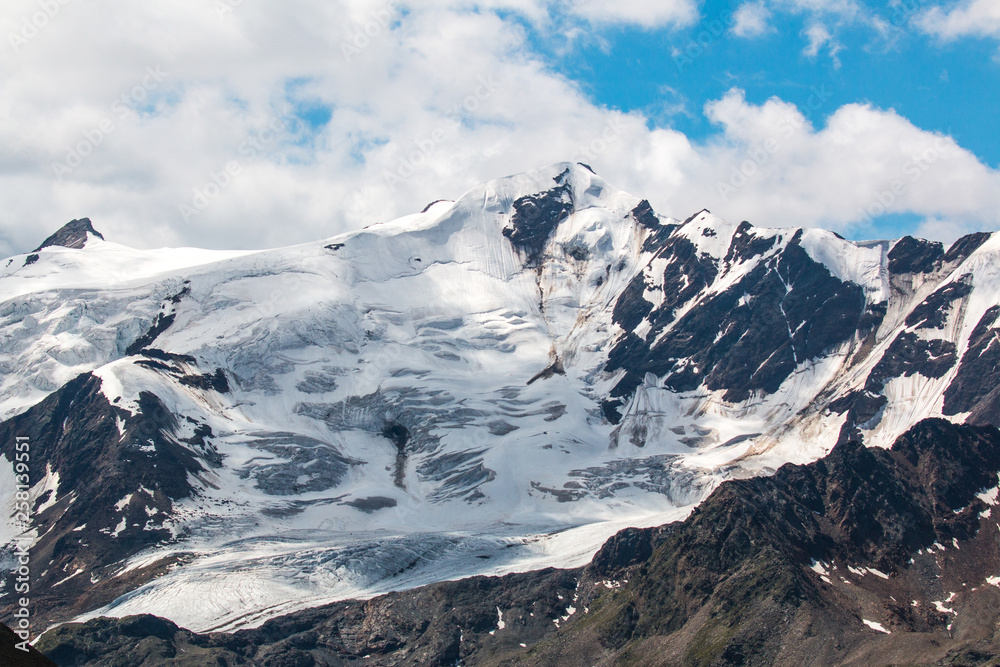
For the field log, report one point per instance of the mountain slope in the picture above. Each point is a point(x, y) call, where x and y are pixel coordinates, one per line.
point(838, 562)
point(496, 384)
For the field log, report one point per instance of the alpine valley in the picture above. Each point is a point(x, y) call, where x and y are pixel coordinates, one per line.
point(541, 424)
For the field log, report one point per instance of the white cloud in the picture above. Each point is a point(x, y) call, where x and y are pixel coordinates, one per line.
point(969, 18)
point(845, 9)
point(776, 168)
point(413, 118)
point(827, 20)
point(818, 36)
point(646, 13)
point(750, 20)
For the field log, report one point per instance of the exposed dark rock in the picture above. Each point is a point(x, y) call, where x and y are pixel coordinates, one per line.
point(555, 368)
point(71, 235)
point(208, 381)
point(161, 323)
point(910, 255)
point(748, 338)
point(932, 313)
point(908, 354)
point(746, 245)
point(965, 246)
point(372, 504)
point(15, 652)
point(731, 585)
point(976, 387)
point(31, 259)
point(625, 549)
point(399, 436)
point(168, 356)
point(428, 207)
point(686, 275)
point(536, 217)
point(643, 214)
point(119, 475)
point(609, 408)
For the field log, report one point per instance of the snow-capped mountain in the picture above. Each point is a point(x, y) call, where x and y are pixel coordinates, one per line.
point(495, 384)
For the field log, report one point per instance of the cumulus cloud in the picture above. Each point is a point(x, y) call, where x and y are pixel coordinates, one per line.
point(750, 19)
point(969, 18)
point(237, 124)
point(775, 166)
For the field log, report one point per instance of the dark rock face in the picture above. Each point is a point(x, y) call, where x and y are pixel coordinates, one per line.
point(906, 355)
point(932, 313)
point(976, 387)
point(399, 436)
point(910, 255)
point(731, 585)
point(161, 323)
point(119, 475)
point(215, 381)
point(71, 235)
point(536, 217)
point(909, 354)
point(750, 337)
point(627, 548)
point(13, 656)
point(965, 246)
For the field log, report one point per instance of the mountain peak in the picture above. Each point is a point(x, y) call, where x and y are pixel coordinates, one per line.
point(71, 235)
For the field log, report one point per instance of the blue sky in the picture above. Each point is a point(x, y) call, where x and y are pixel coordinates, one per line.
point(274, 123)
point(670, 74)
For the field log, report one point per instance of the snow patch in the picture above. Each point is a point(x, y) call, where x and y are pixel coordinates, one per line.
point(875, 626)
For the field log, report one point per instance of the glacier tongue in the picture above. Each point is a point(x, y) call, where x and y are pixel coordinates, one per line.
point(498, 383)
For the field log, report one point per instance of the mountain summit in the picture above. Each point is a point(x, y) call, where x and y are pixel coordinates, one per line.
point(495, 384)
point(74, 234)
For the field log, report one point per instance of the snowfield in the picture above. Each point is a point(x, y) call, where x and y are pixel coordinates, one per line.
point(425, 399)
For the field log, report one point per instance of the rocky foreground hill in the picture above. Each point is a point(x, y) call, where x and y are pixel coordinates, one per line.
point(865, 557)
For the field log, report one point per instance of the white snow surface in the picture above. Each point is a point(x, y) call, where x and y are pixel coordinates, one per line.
point(431, 322)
